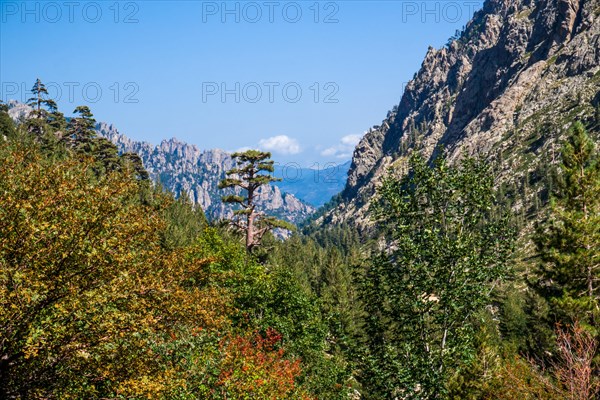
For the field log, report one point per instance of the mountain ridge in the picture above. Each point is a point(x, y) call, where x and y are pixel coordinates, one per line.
point(505, 89)
point(181, 167)
point(315, 186)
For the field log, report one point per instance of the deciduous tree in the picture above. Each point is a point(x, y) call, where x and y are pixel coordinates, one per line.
point(443, 252)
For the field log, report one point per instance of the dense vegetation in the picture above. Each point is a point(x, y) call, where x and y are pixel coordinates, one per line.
point(112, 288)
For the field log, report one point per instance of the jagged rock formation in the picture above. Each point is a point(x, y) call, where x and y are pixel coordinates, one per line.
point(18, 110)
point(505, 89)
point(183, 168)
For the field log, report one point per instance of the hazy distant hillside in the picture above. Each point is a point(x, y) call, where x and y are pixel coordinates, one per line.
point(314, 186)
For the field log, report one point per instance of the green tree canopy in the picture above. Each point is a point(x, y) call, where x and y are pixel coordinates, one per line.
point(93, 305)
point(443, 252)
point(568, 240)
point(7, 126)
point(80, 130)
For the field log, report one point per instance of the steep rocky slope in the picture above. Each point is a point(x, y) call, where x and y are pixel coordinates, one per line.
point(505, 89)
point(183, 168)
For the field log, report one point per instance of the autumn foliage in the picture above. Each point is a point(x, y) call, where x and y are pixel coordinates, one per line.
point(573, 375)
point(576, 371)
point(253, 366)
point(92, 306)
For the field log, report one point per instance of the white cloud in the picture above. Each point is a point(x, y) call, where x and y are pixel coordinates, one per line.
point(344, 149)
point(351, 140)
point(329, 152)
point(281, 144)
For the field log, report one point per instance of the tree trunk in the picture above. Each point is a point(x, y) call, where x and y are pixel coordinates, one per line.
point(250, 232)
point(250, 220)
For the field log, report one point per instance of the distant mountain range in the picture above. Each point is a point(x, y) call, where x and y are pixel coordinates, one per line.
point(314, 186)
point(180, 167)
point(183, 168)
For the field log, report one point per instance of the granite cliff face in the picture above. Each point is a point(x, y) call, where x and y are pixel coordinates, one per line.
point(506, 89)
point(18, 110)
point(183, 168)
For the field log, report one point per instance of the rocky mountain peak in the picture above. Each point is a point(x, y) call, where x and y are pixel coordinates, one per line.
point(183, 168)
point(517, 66)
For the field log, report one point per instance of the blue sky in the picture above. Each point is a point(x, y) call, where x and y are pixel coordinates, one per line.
point(303, 79)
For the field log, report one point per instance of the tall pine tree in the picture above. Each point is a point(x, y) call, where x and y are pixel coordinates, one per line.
point(249, 176)
point(568, 241)
point(37, 119)
point(80, 130)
